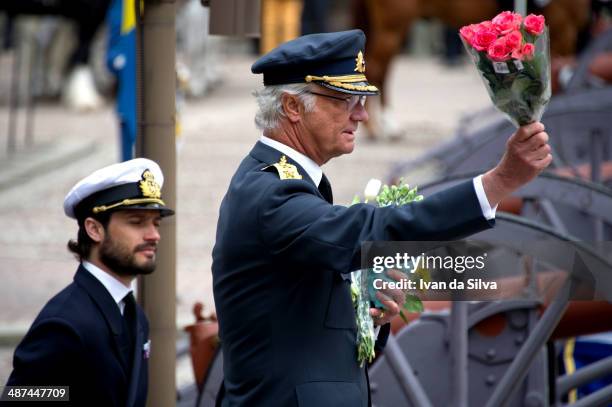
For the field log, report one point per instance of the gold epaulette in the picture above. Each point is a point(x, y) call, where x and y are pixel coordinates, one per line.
point(284, 169)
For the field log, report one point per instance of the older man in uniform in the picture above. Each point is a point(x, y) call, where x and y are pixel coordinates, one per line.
point(283, 249)
point(92, 336)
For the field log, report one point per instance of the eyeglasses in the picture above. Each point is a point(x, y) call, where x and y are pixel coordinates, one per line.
point(351, 101)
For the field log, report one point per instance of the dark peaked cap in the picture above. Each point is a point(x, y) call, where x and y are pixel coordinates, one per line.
point(133, 184)
point(335, 60)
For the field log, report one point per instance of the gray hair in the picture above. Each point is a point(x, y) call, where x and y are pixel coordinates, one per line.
point(270, 107)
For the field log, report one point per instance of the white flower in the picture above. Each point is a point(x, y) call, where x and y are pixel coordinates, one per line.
point(372, 189)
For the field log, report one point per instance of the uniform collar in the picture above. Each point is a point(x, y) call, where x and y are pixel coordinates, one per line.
point(312, 169)
point(115, 288)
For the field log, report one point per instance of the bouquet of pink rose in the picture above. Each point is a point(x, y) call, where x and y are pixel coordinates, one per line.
point(513, 58)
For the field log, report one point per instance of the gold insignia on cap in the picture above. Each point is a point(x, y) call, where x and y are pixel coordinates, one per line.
point(149, 187)
point(286, 170)
point(151, 192)
point(352, 82)
point(360, 63)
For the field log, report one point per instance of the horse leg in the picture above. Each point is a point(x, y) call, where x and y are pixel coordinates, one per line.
point(566, 18)
point(388, 24)
point(80, 91)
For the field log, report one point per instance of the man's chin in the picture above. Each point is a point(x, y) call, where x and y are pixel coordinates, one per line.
point(139, 268)
point(348, 147)
point(146, 267)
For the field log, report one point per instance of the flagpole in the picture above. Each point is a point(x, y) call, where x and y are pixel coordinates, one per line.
point(520, 6)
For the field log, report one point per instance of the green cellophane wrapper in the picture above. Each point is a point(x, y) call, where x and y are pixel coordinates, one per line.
point(362, 289)
point(365, 326)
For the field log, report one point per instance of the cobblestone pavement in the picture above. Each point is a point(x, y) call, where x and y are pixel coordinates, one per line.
point(218, 131)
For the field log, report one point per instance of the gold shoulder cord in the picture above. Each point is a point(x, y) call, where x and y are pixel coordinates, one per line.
point(127, 202)
point(344, 82)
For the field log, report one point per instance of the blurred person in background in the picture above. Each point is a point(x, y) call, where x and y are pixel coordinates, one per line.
point(79, 91)
point(314, 16)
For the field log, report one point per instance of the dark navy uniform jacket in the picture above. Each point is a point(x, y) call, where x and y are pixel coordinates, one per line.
point(286, 321)
point(77, 341)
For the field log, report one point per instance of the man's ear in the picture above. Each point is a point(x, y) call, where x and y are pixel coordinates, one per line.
point(94, 230)
point(291, 107)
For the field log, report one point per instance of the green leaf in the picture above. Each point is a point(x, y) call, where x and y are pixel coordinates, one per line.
point(520, 85)
point(413, 304)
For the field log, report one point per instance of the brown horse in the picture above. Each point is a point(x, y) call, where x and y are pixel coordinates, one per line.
point(386, 23)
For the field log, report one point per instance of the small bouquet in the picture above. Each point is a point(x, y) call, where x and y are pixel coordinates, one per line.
point(512, 55)
point(362, 290)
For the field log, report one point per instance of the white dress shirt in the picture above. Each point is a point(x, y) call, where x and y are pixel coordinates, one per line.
point(115, 287)
point(316, 173)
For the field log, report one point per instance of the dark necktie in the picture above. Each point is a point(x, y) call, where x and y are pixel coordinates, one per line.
point(325, 189)
point(129, 319)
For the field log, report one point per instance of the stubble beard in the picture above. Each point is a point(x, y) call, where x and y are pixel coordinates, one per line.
point(122, 260)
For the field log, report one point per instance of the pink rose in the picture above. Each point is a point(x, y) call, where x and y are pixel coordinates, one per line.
point(534, 24)
point(528, 51)
point(498, 50)
point(525, 53)
point(513, 40)
point(487, 24)
point(467, 32)
point(506, 22)
point(484, 35)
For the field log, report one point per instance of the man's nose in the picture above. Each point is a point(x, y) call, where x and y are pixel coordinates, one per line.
point(152, 234)
point(359, 113)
